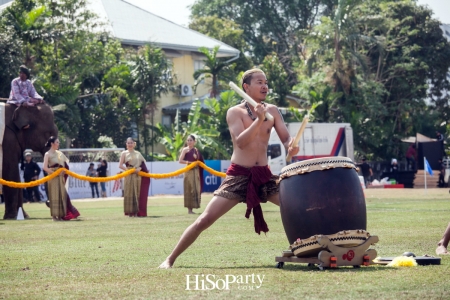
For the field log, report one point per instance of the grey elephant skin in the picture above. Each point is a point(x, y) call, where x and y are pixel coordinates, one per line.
point(40, 126)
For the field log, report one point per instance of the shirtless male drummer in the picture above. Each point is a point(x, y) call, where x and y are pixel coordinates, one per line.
point(248, 179)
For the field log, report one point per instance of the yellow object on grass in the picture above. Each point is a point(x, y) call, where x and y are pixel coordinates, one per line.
point(403, 261)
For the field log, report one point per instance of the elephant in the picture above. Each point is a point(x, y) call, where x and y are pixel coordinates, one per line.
point(27, 127)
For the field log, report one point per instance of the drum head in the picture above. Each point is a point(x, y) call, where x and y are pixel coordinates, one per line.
point(317, 164)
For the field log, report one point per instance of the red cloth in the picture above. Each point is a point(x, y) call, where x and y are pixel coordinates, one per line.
point(257, 176)
point(411, 152)
point(143, 193)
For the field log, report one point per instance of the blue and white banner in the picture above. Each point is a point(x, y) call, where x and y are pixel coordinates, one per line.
point(428, 167)
point(210, 181)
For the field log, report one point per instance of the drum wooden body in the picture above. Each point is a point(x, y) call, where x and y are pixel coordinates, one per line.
point(321, 196)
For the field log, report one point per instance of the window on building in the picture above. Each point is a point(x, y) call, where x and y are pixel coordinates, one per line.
point(199, 65)
point(166, 121)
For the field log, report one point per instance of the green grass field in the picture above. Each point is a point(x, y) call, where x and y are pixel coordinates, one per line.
point(105, 255)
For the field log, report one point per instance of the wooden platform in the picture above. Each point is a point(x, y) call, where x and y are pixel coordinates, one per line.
point(334, 256)
point(419, 180)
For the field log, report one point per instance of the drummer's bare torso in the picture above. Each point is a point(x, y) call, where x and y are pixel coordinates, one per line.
point(254, 153)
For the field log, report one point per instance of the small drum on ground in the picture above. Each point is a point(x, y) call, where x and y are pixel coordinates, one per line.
point(321, 196)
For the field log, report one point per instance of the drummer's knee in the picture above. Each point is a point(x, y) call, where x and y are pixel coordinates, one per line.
point(275, 199)
point(203, 222)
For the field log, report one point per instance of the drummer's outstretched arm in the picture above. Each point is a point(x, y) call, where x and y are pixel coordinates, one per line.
point(284, 135)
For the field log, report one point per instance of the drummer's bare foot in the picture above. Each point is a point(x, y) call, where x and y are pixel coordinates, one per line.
point(166, 264)
point(441, 250)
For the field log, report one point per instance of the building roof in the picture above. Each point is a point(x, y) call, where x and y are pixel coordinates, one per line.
point(185, 107)
point(133, 25)
point(446, 30)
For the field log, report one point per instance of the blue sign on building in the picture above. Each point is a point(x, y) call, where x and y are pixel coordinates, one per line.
point(211, 182)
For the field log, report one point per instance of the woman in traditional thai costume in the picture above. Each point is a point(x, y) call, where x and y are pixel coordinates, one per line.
point(193, 179)
point(135, 186)
point(61, 207)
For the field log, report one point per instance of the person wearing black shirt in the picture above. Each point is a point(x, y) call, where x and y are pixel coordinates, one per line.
point(441, 182)
point(440, 139)
point(31, 172)
point(394, 169)
point(366, 171)
point(101, 171)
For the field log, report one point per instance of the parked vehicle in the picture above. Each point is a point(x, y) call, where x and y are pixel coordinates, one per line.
point(318, 140)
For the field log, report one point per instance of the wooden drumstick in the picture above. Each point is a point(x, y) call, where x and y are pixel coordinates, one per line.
point(298, 136)
point(247, 98)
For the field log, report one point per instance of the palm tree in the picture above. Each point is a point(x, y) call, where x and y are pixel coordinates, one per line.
point(213, 67)
point(152, 76)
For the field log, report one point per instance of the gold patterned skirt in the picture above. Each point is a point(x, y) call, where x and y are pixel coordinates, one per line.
point(192, 188)
point(132, 189)
point(57, 195)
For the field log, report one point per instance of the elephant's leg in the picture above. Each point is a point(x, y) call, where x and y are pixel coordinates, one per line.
point(13, 197)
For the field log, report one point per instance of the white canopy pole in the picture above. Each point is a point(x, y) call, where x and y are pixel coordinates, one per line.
point(425, 172)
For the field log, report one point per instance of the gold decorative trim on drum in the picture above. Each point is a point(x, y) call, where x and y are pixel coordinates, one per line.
point(345, 238)
point(317, 164)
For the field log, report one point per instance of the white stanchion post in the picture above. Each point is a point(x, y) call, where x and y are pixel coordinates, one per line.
point(20, 214)
point(425, 173)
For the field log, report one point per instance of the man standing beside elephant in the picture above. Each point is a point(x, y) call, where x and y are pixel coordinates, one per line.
point(23, 91)
point(31, 172)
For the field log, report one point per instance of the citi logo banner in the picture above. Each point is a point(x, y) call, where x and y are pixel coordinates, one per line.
point(208, 282)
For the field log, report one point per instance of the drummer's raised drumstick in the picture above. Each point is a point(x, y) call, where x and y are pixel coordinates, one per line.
point(298, 136)
point(247, 98)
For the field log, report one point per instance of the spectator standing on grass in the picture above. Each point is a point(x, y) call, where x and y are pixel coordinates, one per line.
point(441, 182)
point(102, 172)
point(61, 207)
point(440, 139)
point(91, 172)
point(31, 172)
point(394, 169)
point(366, 171)
point(411, 157)
point(135, 187)
point(193, 178)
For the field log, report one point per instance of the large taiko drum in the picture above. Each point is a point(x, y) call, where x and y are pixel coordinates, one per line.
point(321, 196)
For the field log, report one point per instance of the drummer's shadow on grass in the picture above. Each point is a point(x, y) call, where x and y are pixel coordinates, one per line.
point(227, 267)
point(305, 267)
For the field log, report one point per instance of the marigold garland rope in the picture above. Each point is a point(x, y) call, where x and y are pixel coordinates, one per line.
point(110, 178)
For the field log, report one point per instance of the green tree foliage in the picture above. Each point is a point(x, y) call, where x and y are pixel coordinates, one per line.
point(202, 126)
point(218, 109)
point(214, 66)
point(382, 55)
point(229, 33)
point(152, 76)
point(277, 78)
point(10, 60)
point(269, 26)
point(26, 21)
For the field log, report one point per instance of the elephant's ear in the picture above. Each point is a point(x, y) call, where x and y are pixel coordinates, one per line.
point(19, 118)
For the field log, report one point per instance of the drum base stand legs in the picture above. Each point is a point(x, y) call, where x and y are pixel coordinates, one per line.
point(334, 256)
